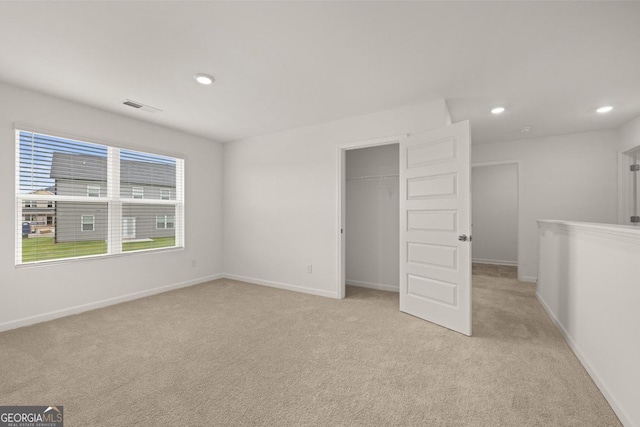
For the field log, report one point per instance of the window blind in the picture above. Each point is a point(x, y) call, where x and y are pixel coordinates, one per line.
point(78, 199)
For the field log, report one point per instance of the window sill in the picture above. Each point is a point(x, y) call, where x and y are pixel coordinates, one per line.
point(51, 262)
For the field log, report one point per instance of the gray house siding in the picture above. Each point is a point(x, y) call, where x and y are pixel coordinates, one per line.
point(69, 221)
point(145, 220)
point(81, 187)
point(66, 187)
point(69, 226)
point(80, 167)
point(86, 175)
point(152, 192)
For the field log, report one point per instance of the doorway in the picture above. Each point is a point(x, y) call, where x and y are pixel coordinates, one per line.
point(342, 193)
point(372, 217)
point(434, 209)
point(629, 188)
point(128, 228)
point(495, 217)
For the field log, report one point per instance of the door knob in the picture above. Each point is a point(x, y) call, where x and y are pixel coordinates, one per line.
point(463, 238)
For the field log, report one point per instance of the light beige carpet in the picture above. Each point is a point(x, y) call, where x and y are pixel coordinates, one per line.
point(233, 354)
point(495, 270)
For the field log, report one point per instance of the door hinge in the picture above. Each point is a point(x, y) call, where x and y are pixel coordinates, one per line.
point(635, 168)
point(635, 219)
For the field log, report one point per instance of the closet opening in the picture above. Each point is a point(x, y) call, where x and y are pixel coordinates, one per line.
point(368, 243)
point(372, 228)
point(495, 195)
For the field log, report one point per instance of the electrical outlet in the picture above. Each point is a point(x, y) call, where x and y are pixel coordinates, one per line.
point(309, 268)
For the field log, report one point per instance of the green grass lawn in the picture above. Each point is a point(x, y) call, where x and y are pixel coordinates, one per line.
point(158, 242)
point(44, 248)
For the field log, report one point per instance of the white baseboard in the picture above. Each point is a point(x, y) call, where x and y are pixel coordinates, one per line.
point(279, 285)
point(531, 279)
point(31, 320)
point(624, 418)
point(495, 262)
point(377, 286)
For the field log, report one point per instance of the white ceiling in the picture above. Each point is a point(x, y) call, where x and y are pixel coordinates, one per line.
point(288, 64)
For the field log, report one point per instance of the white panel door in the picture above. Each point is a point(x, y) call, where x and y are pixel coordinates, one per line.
point(435, 227)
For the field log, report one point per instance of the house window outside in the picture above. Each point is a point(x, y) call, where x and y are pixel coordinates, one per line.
point(137, 192)
point(165, 221)
point(93, 190)
point(88, 223)
point(80, 171)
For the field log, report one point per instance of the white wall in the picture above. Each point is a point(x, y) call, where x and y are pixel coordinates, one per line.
point(589, 285)
point(32, 294)
point(281, 197)
point(630, 136)
point(568, 177)
point(373, 217)
point(495, 213)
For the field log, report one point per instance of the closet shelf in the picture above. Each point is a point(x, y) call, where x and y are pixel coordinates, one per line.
point(372, 177)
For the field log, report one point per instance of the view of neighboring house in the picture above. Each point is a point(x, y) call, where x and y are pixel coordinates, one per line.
point(40, 214)
point(86, 176)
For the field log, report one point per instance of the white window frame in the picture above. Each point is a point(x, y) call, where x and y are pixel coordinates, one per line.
point(137, 193)
point(112, 198)
point(95, 189)
point(164, 191)
point(83, 223)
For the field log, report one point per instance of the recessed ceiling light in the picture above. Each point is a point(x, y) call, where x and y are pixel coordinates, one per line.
point(204, 79)
point(497, 110)
point(604, 109)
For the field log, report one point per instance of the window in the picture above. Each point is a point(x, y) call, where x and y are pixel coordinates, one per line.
point(88, 222)
point(137, 192)
point(89, 198)
point(164, 221)
point(93, 190)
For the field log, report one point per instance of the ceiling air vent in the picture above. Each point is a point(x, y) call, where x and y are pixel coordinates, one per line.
point(140, 106)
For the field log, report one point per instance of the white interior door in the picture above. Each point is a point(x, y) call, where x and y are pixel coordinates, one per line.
point(435, 220)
